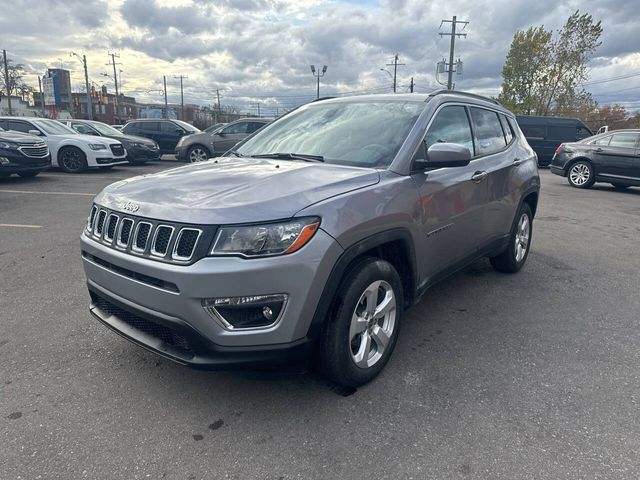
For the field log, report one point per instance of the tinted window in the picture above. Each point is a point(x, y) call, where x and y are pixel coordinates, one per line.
point(533, 131)
point(602, 141)
point(253, 126)
point(82, 128)
point(562, 133)
point(451, 125)
point(488, 132)
point(624, 140)
point(582, 132)
point(508, 133)
point(19, 126)
point(170, 127)
point(236, 128)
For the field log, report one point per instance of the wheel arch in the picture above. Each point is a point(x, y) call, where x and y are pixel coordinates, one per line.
point(394, 246)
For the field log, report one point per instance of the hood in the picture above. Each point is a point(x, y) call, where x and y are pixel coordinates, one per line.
point(12, 136)
point(234, 190)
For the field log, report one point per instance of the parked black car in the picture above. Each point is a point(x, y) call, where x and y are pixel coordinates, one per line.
point(166, 133)
point(139, 149)
point(612, 157)
point(544, 134)
point(26, 155)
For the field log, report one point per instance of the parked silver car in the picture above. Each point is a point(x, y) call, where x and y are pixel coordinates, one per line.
point(203, 145)
point(313, 235)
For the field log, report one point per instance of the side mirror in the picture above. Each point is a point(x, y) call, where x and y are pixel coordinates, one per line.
point(35, 132)
point(221, 133)
point(445, 155)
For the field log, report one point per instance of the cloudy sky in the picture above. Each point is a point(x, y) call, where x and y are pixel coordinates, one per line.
point(259, 51)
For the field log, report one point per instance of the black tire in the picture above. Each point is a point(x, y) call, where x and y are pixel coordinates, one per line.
point(510, 261)
point(198, 153)
point(72, 160)
point(581, 174)
point(28, 174)
point(337, 359)
point(619, 186)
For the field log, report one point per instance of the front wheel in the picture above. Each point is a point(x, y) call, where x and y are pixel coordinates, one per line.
point(72, 160)
point(581, 175)
point(197, 154)
point(360, 336)
point(512, 259)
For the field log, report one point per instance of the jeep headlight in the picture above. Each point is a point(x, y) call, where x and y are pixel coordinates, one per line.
point(97, 146)
point(265, 239)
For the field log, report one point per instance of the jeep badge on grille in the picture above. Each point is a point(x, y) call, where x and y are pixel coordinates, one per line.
point(130, 207)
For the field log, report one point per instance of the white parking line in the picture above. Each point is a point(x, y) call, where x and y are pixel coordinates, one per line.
point(48, 193)
point(15, 225)
point(52, 174)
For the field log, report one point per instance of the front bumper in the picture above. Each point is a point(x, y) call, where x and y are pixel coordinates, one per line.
point(21, 163)
point(101, 158)
point(139, 154)
point(171, 295)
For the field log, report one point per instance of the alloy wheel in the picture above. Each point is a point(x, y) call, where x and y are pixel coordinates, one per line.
point(197, 155)
point(580, 174)
point(372, 324)
point(522, 237)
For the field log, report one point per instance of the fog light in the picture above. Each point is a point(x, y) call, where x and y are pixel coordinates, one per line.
point(257, 311)
point(4, 161)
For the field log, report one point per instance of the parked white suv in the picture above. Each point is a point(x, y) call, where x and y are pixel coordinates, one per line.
point(70, 151)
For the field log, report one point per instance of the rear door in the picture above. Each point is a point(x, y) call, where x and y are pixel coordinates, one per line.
point(617, 157)
point(452, 202)
point(170, 134)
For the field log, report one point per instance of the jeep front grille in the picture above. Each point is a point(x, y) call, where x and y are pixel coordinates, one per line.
point(164, 241)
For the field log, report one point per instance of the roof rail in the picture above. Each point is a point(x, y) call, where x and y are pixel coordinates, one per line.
point(466, 94)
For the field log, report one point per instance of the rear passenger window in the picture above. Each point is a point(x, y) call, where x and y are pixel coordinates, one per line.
point(149, 126)
point(451, 125)
point(601, 141)
point(18, 126)
point(254, 126)
point(534, 131)
point(488, 132)
point(624, 140)
point(508, 133)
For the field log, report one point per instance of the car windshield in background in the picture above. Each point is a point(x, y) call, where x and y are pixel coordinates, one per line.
point(105, 129)
point(188, 127)
point(355, 133)
point(52, 127)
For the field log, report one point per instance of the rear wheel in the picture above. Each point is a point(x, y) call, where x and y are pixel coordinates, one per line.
point(72, 160)
point(581, 175)
point(516, 253)
point(28, 174)
point(360, 337)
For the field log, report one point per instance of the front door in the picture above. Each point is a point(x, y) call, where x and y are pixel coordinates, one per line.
point(615, 159)
point(226, 138)
point(452, 199)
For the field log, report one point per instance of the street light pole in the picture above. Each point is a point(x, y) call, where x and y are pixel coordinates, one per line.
point(318, 74)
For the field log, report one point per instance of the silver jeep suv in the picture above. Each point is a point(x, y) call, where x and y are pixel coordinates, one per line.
point(311, 237)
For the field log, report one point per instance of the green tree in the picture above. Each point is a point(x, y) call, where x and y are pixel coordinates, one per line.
point(543, 75)
point(524, 70)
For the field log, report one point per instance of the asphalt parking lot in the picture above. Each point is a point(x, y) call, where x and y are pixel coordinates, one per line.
point(530, 376)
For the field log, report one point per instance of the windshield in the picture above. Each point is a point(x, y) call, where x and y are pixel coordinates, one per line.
point(357, 133)
point(105, 129)
point(52, 127)
point(187, 127)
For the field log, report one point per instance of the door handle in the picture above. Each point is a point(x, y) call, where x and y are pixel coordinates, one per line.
point(517, 162)
point(598, 149)
point(478, 177)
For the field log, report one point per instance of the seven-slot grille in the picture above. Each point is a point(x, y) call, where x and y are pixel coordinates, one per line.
point(144, 237)
point(34, 150)
point(117, 150)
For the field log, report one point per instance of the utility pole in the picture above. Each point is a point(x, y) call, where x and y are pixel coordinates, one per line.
point(6, 81)
point(83, 59)
point(41, 94)
point(318, 75)
point(115, 81)
point(454, 22)
point(181, 95)
point(411, 85)
point(395, 70)
point(166, 105)
point(257, 104)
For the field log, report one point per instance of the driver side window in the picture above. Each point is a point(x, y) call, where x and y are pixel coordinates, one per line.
point(236, 128)
point(451, 125)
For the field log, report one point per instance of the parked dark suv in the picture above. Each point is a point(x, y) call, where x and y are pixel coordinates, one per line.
point(26, 155)
point(314, 234)
point(166, 133)
point(612, 157)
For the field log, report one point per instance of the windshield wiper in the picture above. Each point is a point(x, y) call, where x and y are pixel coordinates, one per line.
point(291, 156)
point(233, 152)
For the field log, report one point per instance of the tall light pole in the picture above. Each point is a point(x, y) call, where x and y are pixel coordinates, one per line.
point(83, 59)
point(318, 74)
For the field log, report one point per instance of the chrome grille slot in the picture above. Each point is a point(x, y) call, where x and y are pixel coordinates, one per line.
point(117, 150)
point(92, 217)
point(186, 244)
point(112, 223)
point(100, 223)
point(126, 225)
point(161, 240)
point(143, 231)
point(34, 150)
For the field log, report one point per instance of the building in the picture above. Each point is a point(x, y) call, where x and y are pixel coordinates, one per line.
point(19, 108)
point(105, 106)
